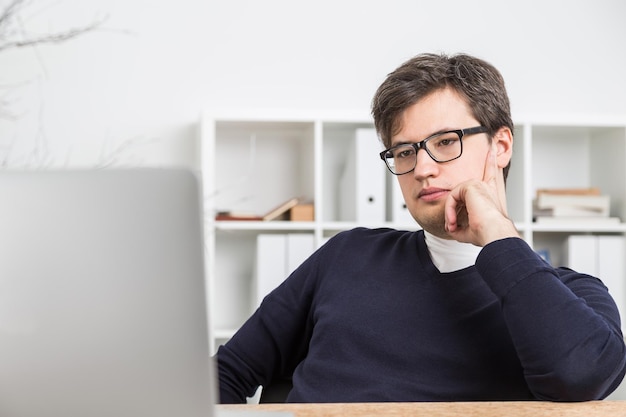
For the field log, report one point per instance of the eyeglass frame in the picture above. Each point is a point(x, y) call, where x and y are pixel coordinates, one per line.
point(461, 133)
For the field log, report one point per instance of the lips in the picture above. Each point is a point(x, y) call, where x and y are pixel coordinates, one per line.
point(432, 194)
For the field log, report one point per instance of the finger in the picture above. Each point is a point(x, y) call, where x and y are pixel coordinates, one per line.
point(501, 189)
point(493, 176)
point(490, 172)
point(452, 206)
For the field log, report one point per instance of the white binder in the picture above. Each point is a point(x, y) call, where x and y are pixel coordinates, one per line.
point(271, 262)
point(277, 256)
point(580, 253)
point(612, 268)
point(362, 185)
point(299, 247)
point(603, 257)
point(398, 210)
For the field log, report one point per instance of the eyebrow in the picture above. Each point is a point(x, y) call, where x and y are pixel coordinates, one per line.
point(408, 142)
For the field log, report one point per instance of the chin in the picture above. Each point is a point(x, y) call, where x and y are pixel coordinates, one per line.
point(435, 226)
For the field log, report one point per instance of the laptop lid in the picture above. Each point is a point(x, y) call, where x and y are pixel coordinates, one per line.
point(102, 296)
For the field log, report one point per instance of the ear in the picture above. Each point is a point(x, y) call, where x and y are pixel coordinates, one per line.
point(502, 143)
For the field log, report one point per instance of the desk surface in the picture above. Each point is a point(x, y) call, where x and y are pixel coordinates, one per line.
point(457, 409)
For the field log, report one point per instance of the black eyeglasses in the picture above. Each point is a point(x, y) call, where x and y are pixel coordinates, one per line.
point(441, 147)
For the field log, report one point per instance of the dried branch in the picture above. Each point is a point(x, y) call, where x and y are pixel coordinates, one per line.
point(9, 12)
point(51, 38)
point(14, 35)
point(9, 37)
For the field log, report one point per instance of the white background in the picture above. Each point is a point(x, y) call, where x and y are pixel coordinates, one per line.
point(131, 93)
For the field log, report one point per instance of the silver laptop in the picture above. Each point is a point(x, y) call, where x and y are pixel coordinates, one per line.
point(102, 297)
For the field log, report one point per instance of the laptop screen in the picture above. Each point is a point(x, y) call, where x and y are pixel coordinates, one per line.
point(102, 295)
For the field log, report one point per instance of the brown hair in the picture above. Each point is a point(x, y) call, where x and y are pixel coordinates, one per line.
point(479, 82)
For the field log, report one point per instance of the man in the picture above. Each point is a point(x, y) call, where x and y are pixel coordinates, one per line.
point(461, 311)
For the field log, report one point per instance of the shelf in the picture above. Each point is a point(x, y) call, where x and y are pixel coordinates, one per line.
point(576, 227)
point(253, 160)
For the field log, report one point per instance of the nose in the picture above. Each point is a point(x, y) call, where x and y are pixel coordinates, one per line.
point(426, 166)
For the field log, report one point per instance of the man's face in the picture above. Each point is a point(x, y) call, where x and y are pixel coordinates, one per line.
point(426, 188)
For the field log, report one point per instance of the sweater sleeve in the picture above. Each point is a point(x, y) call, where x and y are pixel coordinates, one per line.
point(272, 341)
point(565, 326)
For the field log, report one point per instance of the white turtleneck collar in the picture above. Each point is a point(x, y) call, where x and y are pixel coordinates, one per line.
point(449, 255)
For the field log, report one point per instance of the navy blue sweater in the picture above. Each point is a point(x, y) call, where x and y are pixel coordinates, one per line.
point(368, 317)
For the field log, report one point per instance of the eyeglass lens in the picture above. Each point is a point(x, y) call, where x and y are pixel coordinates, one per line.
point(441, 148)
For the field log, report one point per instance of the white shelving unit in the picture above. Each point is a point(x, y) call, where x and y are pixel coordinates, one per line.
point(254, 160)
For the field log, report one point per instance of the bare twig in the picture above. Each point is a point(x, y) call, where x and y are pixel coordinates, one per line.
point(117, 155)
point(51, 38)
point(9, 12)
point(13, 35)
point(9, 20)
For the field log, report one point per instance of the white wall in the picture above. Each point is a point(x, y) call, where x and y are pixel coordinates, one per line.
point(132, 92)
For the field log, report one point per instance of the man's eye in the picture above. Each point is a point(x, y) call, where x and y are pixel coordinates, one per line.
point(444, 142)
point(404, 153)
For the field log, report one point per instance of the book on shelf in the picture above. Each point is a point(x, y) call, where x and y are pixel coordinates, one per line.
point(579, 204)
point(279, 212)
point(569, 191)
point(235, 216)
point(571, 204)
point(591, 221)
point(302, 213)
